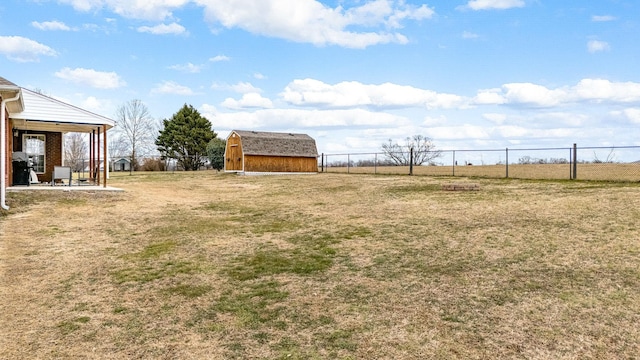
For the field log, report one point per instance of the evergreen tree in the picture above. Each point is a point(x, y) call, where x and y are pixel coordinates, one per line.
point(215, 151)
point(185, 137)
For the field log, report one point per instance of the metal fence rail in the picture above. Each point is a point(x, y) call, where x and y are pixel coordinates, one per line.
point(583, 163)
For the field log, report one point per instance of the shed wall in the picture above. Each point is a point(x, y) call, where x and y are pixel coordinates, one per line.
point(257, 163)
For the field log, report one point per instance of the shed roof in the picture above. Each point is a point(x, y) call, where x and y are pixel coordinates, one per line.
point(277, 144)
point(51, 114)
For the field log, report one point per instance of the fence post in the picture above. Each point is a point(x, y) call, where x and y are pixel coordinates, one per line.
point(507, 162)
point(575, 161)
point(453, 164)
point(570, 163)
point(322, 162)
point(348, 163)
point(411, 161)
point(375, 163)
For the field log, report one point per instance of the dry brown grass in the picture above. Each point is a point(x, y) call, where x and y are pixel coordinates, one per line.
point(591, 171)
point(326, 266)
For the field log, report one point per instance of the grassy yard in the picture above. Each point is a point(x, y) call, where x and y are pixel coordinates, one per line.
point(327, 266)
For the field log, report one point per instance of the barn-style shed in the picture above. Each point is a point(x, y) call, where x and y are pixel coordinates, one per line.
point(270, 152)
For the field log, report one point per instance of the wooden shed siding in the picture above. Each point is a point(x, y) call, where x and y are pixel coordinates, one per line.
point(265, 152)
point(257, 163)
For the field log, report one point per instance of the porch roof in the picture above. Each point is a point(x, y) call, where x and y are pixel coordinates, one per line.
point(9, 90)
point(44, 113)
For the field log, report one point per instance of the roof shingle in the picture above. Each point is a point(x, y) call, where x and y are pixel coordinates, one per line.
point(277, 144)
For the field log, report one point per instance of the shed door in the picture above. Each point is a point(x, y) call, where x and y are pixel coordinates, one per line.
point(234, 154)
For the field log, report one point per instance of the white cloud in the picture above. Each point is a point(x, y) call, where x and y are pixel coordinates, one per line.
point(241, 87)
point(469, 35)
point(245, 87)
point(602, 18)
point(310, 92)
point(434, 121)
point(586, 90)
point(565, 118)
point(305, 119)
point(465, 131)
point(489, 97)
point(219, 58)
point(92, 78)
point(308, 21)
point(494, 4)
point(259, 76)
point(601, 90)
point(172, 88)
point(534, 95)
point(50, 26)
point(149, 10)
point(311, 21)
point(21, 49)
point(94, 104)
point(248, 101)
point(187, 68)
point(594, 46)
point(495, 117)
point(164, 29)
point(631, 114)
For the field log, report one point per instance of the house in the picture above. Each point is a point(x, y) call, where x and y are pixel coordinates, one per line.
point(33, 125)
point(270, 152)
point(121, 164)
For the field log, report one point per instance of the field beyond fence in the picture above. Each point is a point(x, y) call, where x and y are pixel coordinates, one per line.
point(586, 163)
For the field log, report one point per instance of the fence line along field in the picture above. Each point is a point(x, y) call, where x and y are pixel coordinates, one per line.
point(597, 171)
point(329, 266)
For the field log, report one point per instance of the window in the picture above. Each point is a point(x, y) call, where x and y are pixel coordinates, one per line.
point(34, 146)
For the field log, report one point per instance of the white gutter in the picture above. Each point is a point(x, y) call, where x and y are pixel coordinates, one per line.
point(3, 150)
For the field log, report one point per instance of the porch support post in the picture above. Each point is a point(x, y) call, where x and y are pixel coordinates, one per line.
point(104, 149)
point(91, 154)
point(98, 153)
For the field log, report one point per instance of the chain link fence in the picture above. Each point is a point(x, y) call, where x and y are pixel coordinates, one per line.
point(582, 163)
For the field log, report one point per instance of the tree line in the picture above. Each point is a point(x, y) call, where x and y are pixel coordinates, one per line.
point(186, 138)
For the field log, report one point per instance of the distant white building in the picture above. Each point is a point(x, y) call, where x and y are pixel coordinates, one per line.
point(121, 164)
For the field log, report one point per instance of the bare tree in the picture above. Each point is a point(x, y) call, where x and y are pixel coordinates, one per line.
point(611, 157)
point(75, 150)
point(137, 128)
point(118, 146)
point(424, 151)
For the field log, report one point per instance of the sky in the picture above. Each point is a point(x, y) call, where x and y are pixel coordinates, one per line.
point(469, 74)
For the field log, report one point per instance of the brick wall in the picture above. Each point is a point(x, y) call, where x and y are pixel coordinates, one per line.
point(53, 152)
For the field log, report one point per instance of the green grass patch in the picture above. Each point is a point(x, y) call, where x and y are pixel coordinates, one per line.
point(253, 305)
point(70, 326)
point(157, 250)
point(272, 261)
point(150, 271)
point(188, 291)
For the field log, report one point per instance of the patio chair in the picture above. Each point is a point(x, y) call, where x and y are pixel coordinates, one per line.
point(61, 173)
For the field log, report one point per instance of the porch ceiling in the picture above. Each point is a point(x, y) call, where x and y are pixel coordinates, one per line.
point(53, 126)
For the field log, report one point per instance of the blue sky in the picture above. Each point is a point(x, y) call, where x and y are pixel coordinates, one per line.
point(470, 74)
